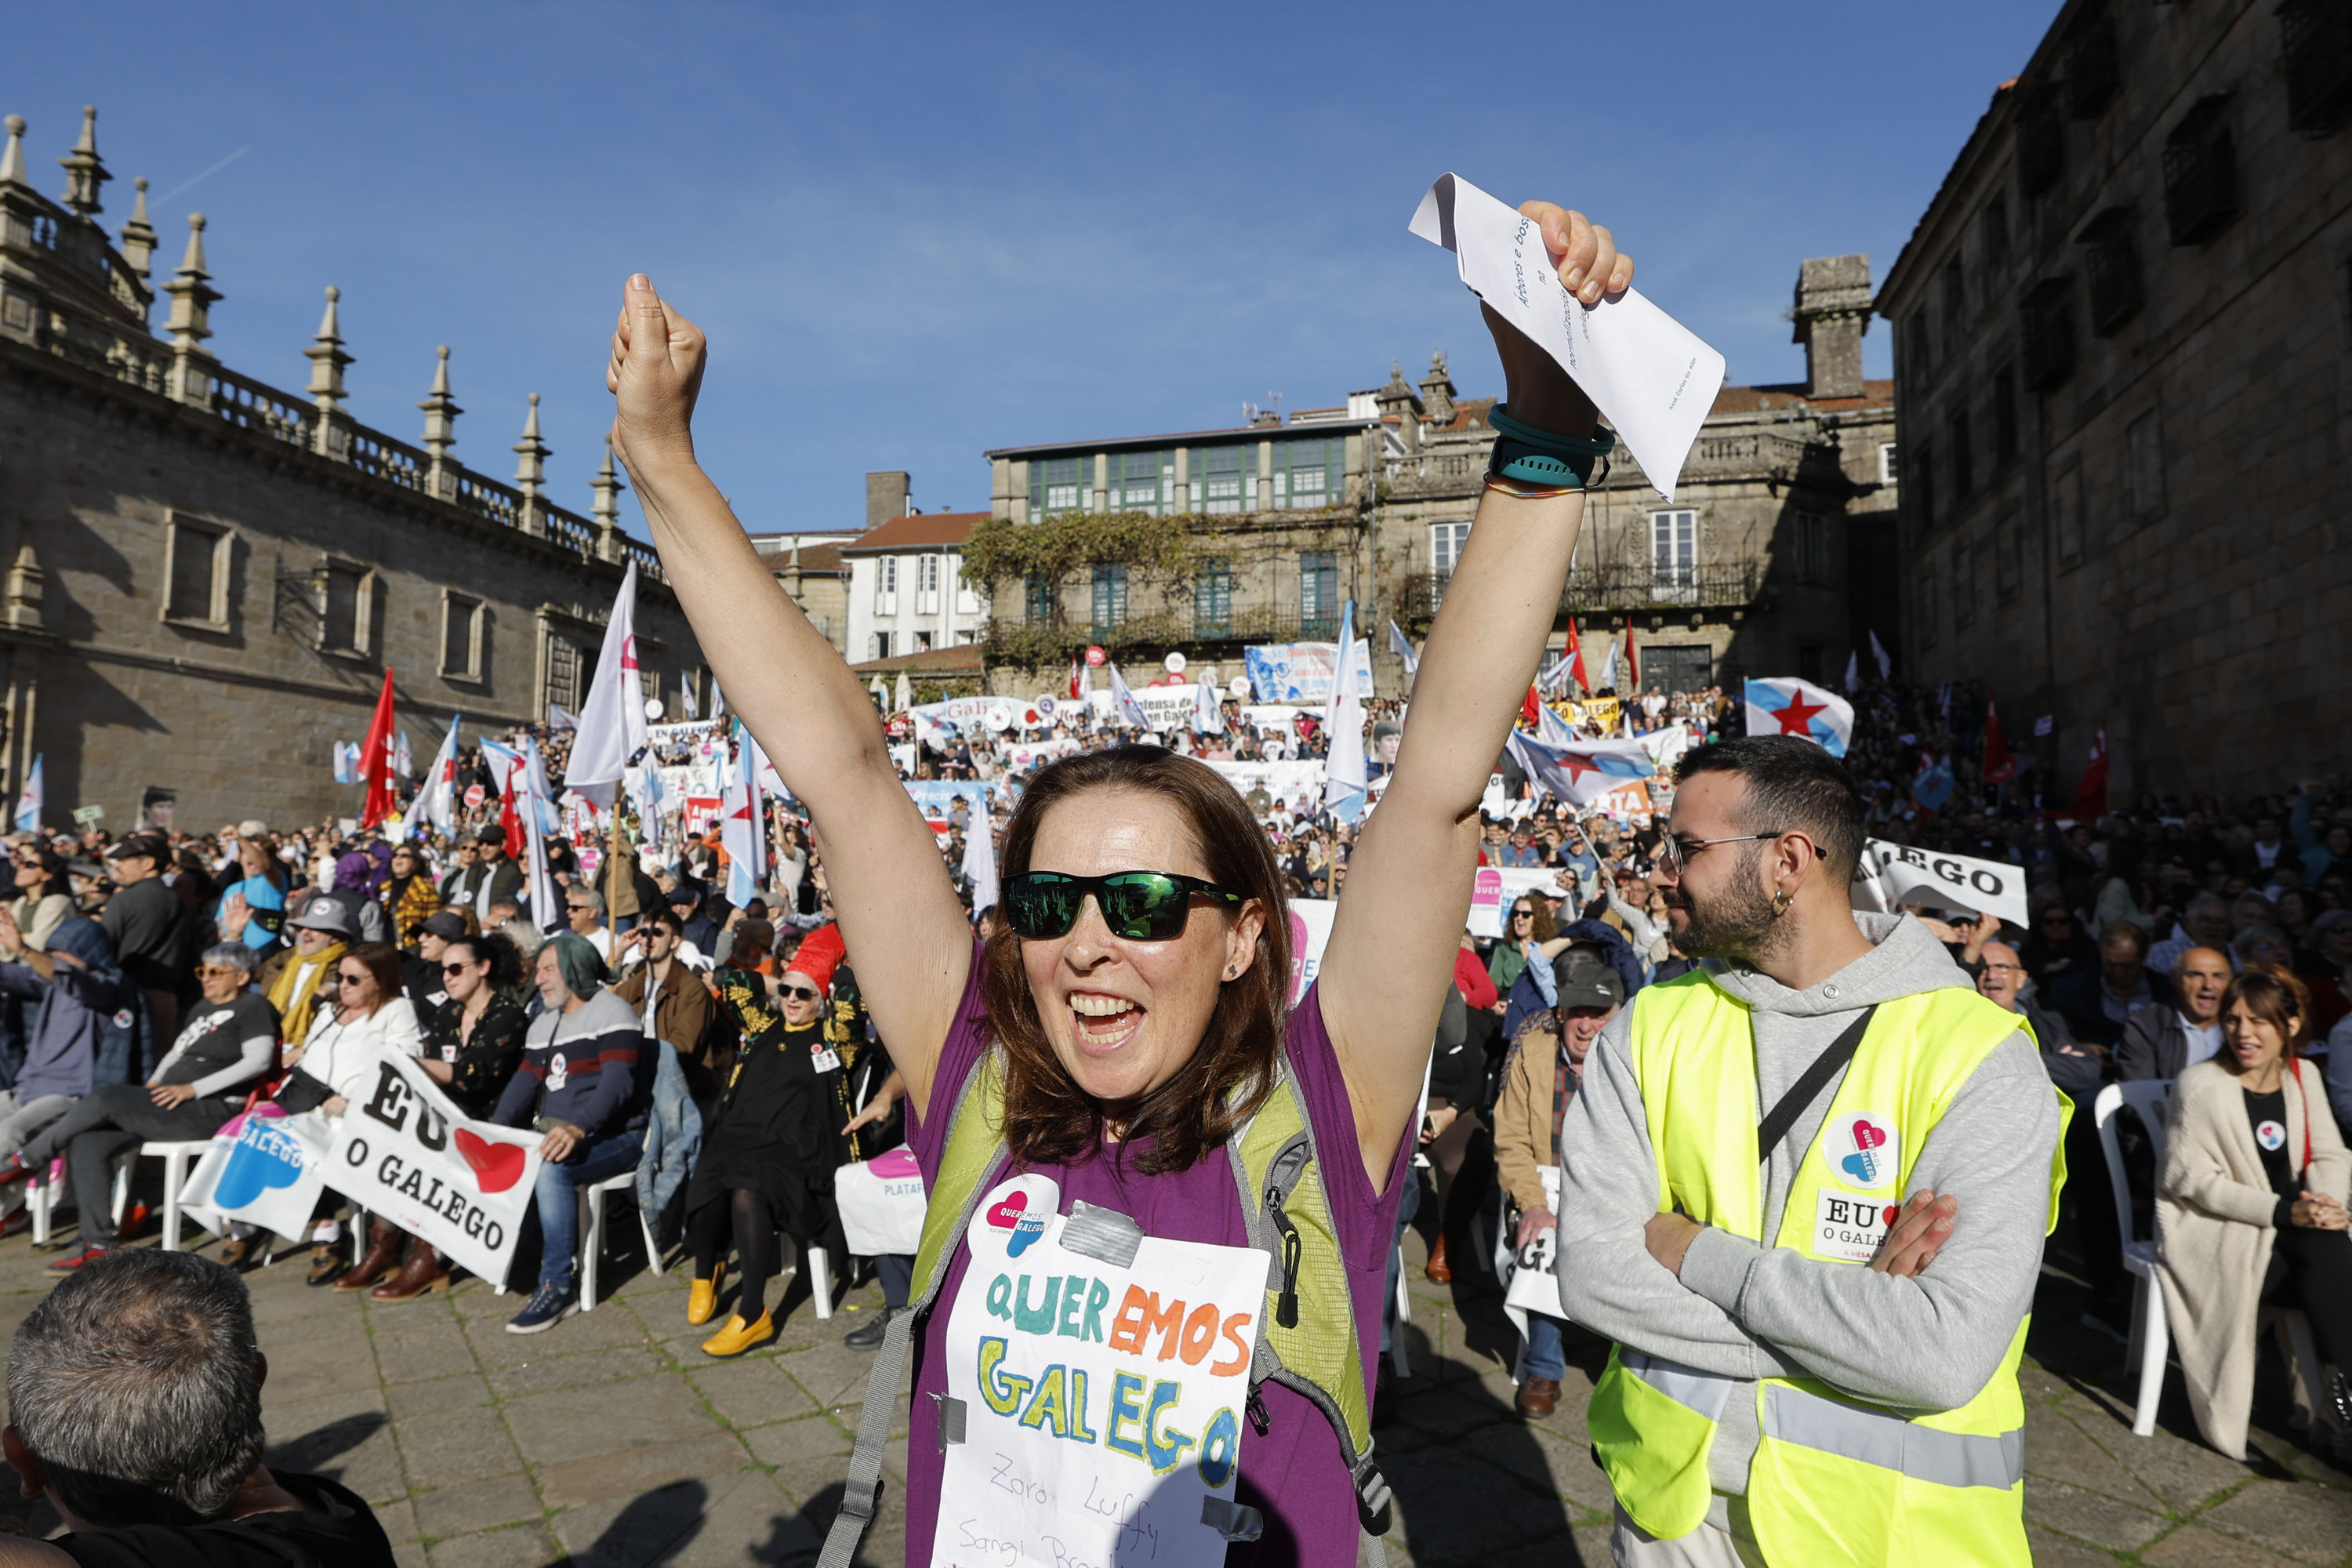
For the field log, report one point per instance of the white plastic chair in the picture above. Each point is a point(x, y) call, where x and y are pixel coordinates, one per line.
point(177, 1158)
point(2152, 1335)
point(592, 1234)
point(821, 1276)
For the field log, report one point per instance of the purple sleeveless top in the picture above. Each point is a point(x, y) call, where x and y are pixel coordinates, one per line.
point(1296, 1474)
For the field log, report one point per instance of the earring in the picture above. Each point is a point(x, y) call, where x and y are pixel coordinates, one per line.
point(1781, 900)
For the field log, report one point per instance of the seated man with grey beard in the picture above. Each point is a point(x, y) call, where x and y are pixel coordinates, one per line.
point(134, 1397)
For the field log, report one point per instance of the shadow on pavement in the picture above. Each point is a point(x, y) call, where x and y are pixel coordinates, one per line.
point(650, 1530)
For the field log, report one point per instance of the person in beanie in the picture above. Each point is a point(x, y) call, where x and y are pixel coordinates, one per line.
point(580, 1085)
point(769, 1156)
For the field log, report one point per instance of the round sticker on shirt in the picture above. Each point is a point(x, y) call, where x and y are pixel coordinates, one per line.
point(1013, 1216)
point(2270, 1135)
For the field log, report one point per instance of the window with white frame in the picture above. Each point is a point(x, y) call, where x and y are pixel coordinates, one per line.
point(1674, 549)
point(967, 601)
point(1310, 473)
point(196, 573)
point(1058, 484)
point(927, 584)
point(1445, 543)
point(886, 585)
point(1217, 477)
point(463, 618)
point(1887, 470)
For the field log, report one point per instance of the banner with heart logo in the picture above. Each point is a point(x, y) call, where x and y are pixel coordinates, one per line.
point(411, 1156)
point(265, 1168)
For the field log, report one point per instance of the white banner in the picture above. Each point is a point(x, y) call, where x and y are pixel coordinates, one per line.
point(268, 1173)
point(1288, 783)
point(1104, 1404)
point(1895, 874)
point(1303, 672)
point(1494, 888)
point(1310, 933)
point(881, 1203)
point(413, 1158)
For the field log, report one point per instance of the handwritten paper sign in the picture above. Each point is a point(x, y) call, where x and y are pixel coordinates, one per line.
point(1652, 377)
point(1103, 1403)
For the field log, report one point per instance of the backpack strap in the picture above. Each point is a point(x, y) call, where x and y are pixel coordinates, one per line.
point(1312, 1350)
point(975, 1154)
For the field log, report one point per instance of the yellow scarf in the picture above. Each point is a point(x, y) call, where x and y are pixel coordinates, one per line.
point(294, 1005)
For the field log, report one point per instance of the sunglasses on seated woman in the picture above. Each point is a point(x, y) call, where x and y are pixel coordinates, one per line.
point(1140, 906)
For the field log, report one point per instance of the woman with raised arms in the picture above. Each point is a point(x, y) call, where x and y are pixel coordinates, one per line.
point(1134, 1007)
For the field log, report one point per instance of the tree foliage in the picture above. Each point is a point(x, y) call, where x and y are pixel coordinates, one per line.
point(1001, 550)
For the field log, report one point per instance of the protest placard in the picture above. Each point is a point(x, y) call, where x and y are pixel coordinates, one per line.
point(1104, 1392)
point(1493, 889)
point(1890, 875)
point(408, 1154)
point(1303, 672)
point(264, 1168)
point(1310, 933)
point(1287, 783)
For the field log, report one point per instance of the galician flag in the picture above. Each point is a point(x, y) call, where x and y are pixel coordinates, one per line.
point(1123, 705)
point(1404, 650)
point(1583, 772)
point(1208, 714)
point(436, 796)
point(1785, 705)
point(740, 830)
point(31, 799)
point(979, 860)
point(613, 722)
point(1344, 773)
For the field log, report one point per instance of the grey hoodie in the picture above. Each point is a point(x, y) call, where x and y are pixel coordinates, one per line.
point(1741, 1309)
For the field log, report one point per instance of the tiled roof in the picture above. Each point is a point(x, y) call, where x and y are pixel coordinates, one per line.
point(814, 558)
point(1185, 438)
point(963, 659)
point(918, 531)
point(1791, 394)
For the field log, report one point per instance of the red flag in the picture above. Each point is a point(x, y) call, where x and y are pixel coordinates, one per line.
point(1531, 710)
point(1632, 665)
point(375, 760)
point(2000, 767)
point(1576, 658)
point(2091, 794)
point(1073, 680)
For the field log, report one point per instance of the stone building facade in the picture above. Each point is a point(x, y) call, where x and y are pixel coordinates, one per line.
point(210, 576)
point(2124, 340)
point(1771, 561)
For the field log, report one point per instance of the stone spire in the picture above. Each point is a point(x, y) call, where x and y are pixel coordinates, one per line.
point(607, 511)
point(84, 172)
point(1832, 313)
point(327, 359)
point(192, 298)
point(22, 608)
point(11, 159)
point(193, 295)
point(441, 413)
point(530, 469)
point(139, 236)
point(1437, 390)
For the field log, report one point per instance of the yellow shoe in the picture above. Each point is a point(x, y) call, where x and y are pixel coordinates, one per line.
point(738, 1336)
point(702, 1298)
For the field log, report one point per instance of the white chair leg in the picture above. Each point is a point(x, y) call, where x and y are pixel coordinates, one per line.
point(592, 1236)
point(2140, 1288)
point(122, 1189)
point(2156, 1341)
point(653, 1251)
point(40, 1196)
point(821, 1281)
point(176, 1171)
point(1403, 1295)
point(359, 1235)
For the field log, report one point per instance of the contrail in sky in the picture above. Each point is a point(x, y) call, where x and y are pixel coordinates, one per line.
point(208, 173)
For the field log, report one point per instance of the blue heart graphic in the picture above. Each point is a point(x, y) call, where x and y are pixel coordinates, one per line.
point(253, 1170)
point(1028, 1230)
point(1863, 1166)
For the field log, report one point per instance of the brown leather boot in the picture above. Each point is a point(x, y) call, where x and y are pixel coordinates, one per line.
point(383, 1256)
point(1437, 1271)
point(1539, 1396)
point(422, 1275)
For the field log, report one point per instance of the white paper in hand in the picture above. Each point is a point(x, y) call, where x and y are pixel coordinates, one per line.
point(1652, 378)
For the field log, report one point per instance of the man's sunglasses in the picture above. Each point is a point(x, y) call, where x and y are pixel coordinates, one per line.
point(799, 993)
point(1138, 906)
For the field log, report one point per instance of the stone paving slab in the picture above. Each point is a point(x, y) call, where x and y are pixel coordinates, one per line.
point(612, 1441)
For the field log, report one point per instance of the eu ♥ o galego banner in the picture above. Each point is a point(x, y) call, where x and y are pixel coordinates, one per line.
point(408, 1155)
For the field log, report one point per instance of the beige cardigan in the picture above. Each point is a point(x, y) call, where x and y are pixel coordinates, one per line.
point(2213, 1231)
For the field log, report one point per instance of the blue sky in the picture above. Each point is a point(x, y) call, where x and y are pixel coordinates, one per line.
point(914, 232)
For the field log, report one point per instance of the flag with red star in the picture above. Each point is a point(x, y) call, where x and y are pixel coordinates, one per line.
point(1582, 772)
point(1785, 705)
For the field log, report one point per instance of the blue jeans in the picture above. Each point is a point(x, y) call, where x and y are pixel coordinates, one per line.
point(1545, 1356)
point(557, 1194)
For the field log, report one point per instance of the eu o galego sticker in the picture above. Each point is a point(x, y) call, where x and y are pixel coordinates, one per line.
point(1849, 1228)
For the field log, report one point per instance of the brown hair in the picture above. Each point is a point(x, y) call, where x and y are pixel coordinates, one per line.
point(1541, 925)
point(1048, 1118)
point(382, 960)
point(2278, 999)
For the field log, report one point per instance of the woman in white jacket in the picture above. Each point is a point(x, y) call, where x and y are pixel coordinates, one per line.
point(336, 1065)
point(2252, 1210)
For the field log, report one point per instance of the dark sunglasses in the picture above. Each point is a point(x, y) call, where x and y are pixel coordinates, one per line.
point(456, 968)
point(799, 993)
point(1138, 906)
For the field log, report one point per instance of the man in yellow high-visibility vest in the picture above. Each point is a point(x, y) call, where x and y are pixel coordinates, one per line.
point(1805, 1190)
